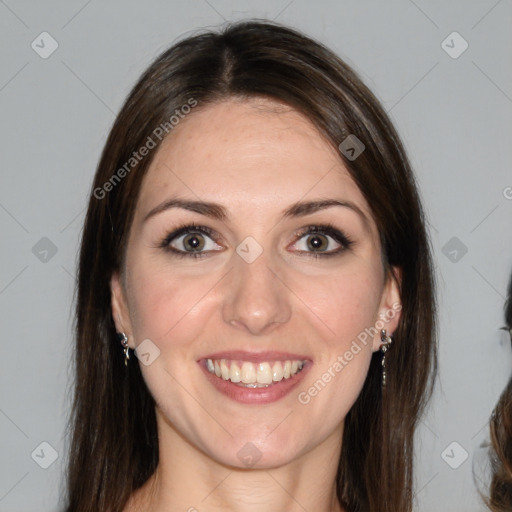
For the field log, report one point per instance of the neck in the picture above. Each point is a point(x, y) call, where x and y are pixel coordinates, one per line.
point(188, 480)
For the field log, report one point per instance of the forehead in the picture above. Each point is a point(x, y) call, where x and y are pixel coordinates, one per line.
point(249, 154)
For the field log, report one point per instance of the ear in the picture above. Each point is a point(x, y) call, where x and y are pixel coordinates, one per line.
point(120, 308)
point(390, 308)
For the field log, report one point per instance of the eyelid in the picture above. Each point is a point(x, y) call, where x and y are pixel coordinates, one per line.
point(327, 229)
point(186, 229)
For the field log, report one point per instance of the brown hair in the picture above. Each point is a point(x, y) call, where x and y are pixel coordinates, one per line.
point(114, 445)
point(500, 492)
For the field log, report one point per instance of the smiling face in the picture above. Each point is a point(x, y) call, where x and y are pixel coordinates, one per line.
point(259, 281)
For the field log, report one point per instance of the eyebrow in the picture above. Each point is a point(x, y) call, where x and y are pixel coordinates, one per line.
point(216, 211)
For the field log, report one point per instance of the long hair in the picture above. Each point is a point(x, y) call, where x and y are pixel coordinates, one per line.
point(500, 492)
point(113, 444)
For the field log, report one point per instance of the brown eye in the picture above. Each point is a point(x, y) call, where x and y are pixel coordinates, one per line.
point(317, 242)
point(194, 241)
point(322, 241)
point(190, 240)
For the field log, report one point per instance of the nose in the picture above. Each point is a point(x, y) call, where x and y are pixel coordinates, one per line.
point(256, 299)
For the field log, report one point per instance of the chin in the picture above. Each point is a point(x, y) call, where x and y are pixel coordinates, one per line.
point(256, 453)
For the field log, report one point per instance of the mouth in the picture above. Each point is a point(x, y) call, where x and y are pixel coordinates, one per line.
point(255, 378)
point(254, 375)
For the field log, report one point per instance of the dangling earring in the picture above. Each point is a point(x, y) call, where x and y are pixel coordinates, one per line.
point(124, 341)
point(386, 340)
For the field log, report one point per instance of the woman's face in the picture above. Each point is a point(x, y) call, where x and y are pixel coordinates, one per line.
point(257, 287)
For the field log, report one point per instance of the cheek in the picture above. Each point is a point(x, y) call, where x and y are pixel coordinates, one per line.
point(166, 305)
point(172, 308)
point(328, 311)
point(345, 303)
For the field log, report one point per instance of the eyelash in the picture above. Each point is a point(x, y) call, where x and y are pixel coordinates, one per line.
point(325, 229)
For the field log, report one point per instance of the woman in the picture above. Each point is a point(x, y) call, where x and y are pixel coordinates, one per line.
point(500, 492)
point(255, 233)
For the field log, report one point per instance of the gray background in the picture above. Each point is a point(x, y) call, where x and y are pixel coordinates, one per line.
point(453, 114)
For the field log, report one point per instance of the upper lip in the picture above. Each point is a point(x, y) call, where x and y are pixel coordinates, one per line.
point(257, 357)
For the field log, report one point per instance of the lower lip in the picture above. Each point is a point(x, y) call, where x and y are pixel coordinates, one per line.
point(244, 395)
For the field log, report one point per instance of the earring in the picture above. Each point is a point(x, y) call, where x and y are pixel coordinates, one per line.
point(386, 340)
point(124, 341)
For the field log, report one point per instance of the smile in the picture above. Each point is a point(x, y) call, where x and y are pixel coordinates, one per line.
point(254, 375)
point(255, 378)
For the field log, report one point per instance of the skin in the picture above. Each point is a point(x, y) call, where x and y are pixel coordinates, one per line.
point(255, 158)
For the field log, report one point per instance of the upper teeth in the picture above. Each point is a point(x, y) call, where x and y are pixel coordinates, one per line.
point(252, 373)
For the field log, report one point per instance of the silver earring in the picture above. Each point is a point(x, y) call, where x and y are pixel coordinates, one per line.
point(124, 341)
point(386, 340)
